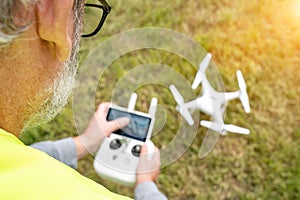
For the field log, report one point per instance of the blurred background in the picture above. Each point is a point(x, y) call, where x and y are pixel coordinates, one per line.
point(260, 37)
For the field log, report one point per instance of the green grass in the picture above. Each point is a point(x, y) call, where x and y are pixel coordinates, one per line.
point(259, 37)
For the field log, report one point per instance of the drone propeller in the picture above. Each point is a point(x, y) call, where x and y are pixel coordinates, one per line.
point(201, 71)
point(243, 91)
point(180, 108)
point(197, 80)
point(177, 96)
point(222, 128)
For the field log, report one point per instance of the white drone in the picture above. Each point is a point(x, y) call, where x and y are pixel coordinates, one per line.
point(212, 102)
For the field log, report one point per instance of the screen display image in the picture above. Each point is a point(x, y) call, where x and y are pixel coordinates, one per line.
point(137, 128)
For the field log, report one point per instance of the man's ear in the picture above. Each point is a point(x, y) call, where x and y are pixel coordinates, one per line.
point(55, 25)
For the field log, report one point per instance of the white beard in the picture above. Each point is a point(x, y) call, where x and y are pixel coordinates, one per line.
point(61, 90)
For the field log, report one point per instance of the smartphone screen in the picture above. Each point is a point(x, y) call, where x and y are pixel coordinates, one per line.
point(137, 128)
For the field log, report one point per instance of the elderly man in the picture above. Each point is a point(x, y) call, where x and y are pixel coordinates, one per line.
point(38, 47)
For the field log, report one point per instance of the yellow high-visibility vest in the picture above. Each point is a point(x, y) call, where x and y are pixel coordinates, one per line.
point(27, 173)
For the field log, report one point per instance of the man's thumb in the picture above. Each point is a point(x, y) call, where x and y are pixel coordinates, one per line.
point(117, 124)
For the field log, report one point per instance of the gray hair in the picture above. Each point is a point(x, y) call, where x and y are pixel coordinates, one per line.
point(8, 29)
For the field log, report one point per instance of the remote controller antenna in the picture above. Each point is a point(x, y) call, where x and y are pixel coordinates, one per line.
point(153, 106)
point(152, 112)
point(132, 102)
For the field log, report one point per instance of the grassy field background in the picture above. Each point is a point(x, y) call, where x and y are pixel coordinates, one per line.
point(260, 37)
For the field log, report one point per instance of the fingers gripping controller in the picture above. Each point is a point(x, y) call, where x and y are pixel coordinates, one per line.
point(150, 147)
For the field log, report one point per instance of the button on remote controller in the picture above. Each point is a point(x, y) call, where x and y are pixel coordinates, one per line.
point(115, 144)
point(136, 150)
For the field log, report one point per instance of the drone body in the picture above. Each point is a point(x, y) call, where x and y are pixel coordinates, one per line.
point(211, 102)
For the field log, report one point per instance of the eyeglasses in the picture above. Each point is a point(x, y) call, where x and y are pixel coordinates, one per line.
point(92, 14)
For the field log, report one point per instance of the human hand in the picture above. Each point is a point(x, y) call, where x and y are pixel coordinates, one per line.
point(97, 130)
point(148, 169)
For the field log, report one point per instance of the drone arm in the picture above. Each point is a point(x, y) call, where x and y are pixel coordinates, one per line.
point(192, 105)
point(231, 95)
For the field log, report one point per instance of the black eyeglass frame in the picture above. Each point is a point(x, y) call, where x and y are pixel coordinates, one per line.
point(106, 10)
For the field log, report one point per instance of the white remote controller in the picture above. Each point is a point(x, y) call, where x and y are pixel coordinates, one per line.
point(118, 155)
